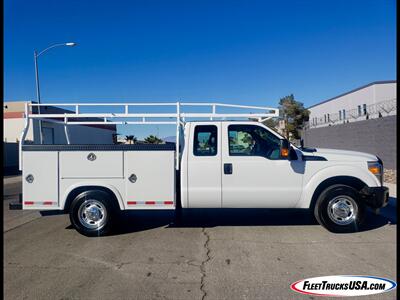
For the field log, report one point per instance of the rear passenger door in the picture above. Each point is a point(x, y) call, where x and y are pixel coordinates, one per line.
point(204, 165)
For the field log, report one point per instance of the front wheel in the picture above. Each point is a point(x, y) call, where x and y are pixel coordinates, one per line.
point(339, 209)
point(91, 213)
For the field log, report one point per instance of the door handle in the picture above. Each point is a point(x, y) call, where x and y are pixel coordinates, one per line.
point(228, 168)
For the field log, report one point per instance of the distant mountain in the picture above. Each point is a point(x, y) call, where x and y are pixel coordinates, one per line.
point(169, 139)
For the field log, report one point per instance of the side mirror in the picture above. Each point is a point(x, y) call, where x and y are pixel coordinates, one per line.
point(284, 149)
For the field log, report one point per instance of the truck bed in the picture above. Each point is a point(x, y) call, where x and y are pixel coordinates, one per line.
point(141, 176)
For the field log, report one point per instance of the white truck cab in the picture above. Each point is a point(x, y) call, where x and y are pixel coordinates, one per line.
point(213, 164)
point(236, 170)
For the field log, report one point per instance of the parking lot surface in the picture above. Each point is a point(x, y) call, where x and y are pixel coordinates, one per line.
point(208, 254)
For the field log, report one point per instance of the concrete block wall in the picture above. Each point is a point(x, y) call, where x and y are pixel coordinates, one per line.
point(375, 136)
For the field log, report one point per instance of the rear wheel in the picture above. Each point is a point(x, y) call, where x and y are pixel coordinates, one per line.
point(91, 213)
point(339, 209)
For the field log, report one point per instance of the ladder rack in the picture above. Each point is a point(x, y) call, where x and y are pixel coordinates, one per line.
point(127, 115)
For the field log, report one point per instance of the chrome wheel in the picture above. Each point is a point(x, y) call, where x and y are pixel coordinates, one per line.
point(92, 214)
point(342, 210)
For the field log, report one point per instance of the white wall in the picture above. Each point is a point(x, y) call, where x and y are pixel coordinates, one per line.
point(12, 129)
point(385, 91)
point(374, 96)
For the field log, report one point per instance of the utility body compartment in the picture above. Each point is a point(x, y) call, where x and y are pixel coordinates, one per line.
point(41, 168)
point(91, 164)
point(141, 176)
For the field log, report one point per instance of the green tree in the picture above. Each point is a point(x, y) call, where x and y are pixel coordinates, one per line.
point(294, 115)
point(271, 123)
point(152, 139)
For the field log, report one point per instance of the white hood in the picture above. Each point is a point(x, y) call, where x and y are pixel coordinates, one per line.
point(343, 155)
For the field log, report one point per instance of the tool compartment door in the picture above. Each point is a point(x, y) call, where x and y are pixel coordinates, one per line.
point(41, 170)
point(149, 179)
point(91, 164)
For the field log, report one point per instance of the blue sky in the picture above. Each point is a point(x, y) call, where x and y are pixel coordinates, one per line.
point(252, 52)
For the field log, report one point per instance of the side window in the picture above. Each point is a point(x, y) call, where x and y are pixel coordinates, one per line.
point(205, 140)
point(252, 140)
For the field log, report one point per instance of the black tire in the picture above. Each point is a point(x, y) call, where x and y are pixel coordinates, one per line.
point(339, 209)
point(91, 205)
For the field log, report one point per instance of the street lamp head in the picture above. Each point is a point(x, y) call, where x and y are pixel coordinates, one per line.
point(70, 44)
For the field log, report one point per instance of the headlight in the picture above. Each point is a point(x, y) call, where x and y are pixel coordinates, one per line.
point(376, 168)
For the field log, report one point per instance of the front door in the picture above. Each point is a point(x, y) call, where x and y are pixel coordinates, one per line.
point(204, 165)
point(253, 174)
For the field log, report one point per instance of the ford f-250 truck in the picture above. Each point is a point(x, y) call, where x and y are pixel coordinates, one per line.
point(219, 163)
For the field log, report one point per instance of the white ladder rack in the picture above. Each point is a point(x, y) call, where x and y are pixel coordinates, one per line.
point(74, 116)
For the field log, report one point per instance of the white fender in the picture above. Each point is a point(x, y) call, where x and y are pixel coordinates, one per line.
point(338, 170)
point(92, 183)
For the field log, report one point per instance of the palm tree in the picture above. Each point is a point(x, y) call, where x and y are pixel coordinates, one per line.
point(131, 139)
point(152, 139)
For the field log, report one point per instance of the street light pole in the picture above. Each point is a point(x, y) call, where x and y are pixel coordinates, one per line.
point(36, 55)
point(38, 94)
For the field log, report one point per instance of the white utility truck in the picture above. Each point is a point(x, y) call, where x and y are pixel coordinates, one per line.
point(219, 160)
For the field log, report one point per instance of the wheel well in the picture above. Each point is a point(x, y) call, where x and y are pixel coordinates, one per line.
point(75, 192)
point(347, 180)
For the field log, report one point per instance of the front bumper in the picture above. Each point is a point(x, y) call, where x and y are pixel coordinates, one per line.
point(375, 197)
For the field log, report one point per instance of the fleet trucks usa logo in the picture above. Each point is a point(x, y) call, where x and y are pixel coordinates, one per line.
point(343, 285)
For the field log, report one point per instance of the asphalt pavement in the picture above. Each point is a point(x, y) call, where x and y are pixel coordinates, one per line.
point(208, 254)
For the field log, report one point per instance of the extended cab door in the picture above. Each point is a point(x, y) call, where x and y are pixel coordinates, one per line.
point(254, 175)
point(204, 165)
